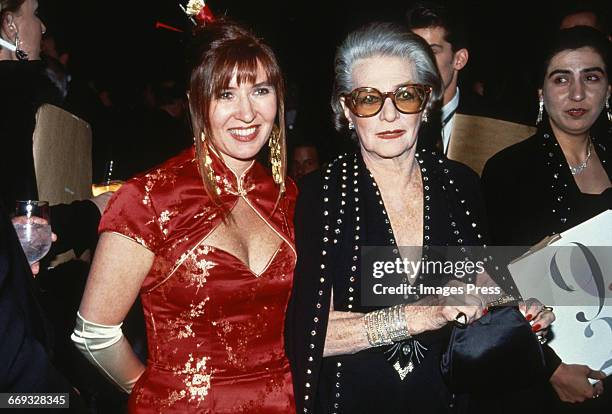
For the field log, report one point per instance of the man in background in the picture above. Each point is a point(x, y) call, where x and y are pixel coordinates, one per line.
point(304, 160)
point(444, 31)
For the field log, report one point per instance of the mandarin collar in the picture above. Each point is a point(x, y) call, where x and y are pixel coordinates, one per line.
point(230, 183)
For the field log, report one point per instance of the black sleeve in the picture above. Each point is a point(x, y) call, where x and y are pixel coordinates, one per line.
point(551, 359)
point(493, 185)
point(76, 226)
point(24, 87)
point(500, 220)
point(24, 362)
point(304, 295)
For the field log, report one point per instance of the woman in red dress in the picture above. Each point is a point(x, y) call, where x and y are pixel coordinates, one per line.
point(206, 239)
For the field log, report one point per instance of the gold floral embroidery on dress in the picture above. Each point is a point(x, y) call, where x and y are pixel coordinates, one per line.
point(248, 185)
point(248, 188)
point(153, 178)
point(225, 184)
point(175, 245)
point(148, 187)
point(196, 377)
point(164, 219)
point(196, 266)
point(159, 269)
point(165, 215)
point(172, 399)
point(238, 334)
point(274, 385)
point(182, 326)
point(137, 394)
point(234, 188)
point(205, 212)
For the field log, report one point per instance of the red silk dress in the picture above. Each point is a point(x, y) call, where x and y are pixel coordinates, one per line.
point(214, 328)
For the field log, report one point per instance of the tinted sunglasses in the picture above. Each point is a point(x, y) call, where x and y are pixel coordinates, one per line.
point(408, 99)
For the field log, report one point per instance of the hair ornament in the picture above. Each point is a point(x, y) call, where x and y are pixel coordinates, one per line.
point(199, 13)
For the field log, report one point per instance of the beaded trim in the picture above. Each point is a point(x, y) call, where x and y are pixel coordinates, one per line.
point(324, 283)
point(350, 170)
point(556, 162)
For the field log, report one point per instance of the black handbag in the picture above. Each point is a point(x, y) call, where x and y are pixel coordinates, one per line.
point(497, 351)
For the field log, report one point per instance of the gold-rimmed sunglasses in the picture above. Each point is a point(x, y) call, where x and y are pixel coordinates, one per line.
point(407, 99)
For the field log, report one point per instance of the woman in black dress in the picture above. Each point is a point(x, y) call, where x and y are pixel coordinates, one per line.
point(386, 193)
point(561, 176)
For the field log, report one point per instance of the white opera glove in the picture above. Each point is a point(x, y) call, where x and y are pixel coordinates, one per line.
point(106, 348)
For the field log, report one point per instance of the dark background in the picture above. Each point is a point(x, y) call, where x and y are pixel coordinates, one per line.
point(117, 43)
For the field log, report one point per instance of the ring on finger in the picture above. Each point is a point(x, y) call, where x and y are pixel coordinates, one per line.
point(544, 309)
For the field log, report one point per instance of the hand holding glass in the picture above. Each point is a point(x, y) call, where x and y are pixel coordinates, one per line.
point(33, 226)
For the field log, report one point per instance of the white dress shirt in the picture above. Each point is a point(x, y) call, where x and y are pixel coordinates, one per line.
point(448, 118)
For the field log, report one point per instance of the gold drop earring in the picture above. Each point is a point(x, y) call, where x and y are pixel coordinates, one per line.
point(275, 155)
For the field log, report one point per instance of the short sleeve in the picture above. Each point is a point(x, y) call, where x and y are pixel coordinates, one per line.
point(130, 212)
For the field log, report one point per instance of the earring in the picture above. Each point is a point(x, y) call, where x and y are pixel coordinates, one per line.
point(425, 118)
point(540, 111)
point(608, 111)
point(276, 155)
point(20, 53)
point(351, 126)
point(207, 164)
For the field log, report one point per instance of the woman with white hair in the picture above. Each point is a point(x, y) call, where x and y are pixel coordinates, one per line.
point(348, 353)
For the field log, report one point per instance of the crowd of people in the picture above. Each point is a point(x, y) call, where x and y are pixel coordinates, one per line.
point(229, 268)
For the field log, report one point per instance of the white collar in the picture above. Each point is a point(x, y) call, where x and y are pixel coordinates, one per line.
point(449, 109)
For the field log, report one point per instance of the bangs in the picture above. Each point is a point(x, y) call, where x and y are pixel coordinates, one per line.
point(242, 60)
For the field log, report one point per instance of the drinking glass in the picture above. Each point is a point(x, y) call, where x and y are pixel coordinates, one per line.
point(32, 223)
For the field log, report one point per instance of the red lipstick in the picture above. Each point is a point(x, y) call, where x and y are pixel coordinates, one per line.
point(392, 134)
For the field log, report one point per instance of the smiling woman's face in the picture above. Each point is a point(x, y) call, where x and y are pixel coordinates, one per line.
point(242, 117)
point(389, 133)
point(575, 90)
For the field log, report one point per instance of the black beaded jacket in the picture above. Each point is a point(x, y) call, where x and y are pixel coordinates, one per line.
point(530, 192)
point(338, 211)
